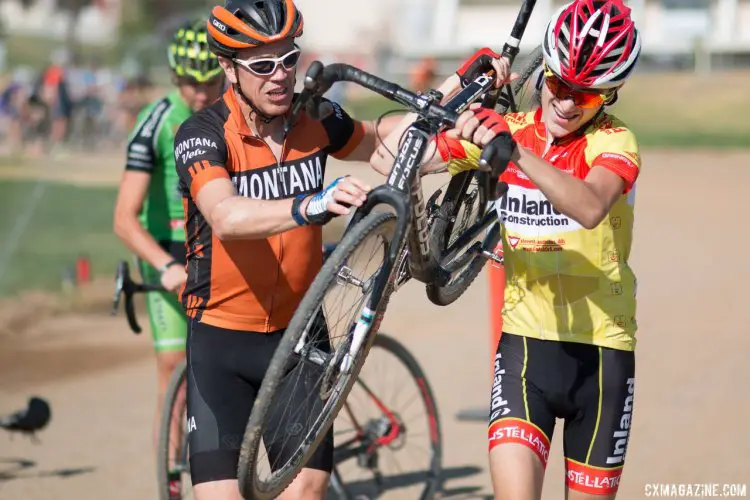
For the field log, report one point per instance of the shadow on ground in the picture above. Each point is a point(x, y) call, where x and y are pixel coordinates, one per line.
point(18, 468)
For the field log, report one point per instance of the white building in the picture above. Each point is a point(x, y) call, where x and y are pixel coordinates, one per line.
point(44, 19)
point(454, 27)
point(447, 28)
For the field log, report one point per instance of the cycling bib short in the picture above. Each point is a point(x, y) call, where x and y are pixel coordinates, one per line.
point(165, 313)
point(150, 150)
point(225, 372)
point(590, 387)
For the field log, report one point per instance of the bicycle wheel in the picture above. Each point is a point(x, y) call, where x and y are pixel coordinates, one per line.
point(388, 433)
point(318, 359)
point(173, 468)
point(464, 206)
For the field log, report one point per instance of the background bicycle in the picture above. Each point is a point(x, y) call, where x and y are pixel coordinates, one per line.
point(387, 439)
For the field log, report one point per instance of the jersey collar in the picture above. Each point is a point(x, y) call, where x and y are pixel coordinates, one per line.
point(237, 121)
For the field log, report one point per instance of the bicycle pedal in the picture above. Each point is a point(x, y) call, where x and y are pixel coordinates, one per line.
point(367, 460)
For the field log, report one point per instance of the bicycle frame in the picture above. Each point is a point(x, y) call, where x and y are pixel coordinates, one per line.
point(403, 189)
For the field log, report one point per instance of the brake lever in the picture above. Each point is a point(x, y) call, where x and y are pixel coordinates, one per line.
point(314, 86)
point(122, 271)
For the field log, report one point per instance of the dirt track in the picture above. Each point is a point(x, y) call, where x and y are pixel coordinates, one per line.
point(692, 371)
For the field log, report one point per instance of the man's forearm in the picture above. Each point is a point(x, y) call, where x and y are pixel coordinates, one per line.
point(568, 194)
point(239, 218)
point(139, 241)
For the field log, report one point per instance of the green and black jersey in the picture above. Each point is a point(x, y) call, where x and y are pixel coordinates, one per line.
point(151, 150)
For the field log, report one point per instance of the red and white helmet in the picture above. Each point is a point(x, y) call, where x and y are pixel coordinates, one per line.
point(592, 44)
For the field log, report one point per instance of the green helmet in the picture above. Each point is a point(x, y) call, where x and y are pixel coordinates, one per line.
point(189, 54)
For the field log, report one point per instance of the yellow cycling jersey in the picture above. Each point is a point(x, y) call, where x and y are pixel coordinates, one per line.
point(564, 282)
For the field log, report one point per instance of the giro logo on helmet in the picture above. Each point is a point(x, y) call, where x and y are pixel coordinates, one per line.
point(219, 25)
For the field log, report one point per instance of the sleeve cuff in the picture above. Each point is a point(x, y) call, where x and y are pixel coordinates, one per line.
point(355, 140)
point(202, 173)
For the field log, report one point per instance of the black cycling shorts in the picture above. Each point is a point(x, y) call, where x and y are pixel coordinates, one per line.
point(590, 387)
point(225, 371)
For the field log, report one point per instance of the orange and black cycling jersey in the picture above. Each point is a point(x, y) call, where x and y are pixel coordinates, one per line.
point(253, 285)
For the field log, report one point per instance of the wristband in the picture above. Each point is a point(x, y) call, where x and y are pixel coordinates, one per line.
point(296, 213)
point(166, 266)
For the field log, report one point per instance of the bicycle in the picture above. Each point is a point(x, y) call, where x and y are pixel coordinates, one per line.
point(417, 241)
point(361, 446)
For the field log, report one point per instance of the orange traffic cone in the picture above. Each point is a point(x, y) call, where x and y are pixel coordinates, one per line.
point(497, 291)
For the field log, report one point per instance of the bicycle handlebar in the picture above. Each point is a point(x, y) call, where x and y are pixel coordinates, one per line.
point(320, 78)
point(125, 285)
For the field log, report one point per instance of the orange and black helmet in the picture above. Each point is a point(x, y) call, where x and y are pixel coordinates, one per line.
point(243, 24)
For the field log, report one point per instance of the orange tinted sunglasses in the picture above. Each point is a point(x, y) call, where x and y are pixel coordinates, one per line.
point(581, 98)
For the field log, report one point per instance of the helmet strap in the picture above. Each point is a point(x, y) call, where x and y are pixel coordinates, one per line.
point(612, 100)
point(583, 128)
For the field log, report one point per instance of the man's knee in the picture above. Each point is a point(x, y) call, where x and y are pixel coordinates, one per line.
point(167, 361)
point(310, 484)
point(517, 472)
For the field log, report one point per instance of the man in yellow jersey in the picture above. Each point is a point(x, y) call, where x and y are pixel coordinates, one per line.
point(569, 314)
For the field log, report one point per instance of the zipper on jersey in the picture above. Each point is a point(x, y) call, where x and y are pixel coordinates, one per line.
point(279, 162)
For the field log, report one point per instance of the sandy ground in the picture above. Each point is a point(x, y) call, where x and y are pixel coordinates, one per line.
point(692, 369)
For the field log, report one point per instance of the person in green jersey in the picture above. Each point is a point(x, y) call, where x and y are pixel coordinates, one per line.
point(148, 212)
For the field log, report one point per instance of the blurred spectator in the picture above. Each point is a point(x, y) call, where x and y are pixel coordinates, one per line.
point(53, 91)
point(423, 74)
point(13, 113)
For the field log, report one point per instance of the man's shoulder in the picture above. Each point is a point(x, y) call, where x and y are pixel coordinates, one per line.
point(608, 125)
point(610, 136)
point(202, 136)
point(152, 116)
point(209, 120)
point(160, 106)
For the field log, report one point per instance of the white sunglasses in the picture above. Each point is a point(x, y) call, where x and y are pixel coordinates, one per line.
point(267, 65)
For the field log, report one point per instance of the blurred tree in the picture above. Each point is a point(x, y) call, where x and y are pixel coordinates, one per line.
point(73, 8)
point(146, 24)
